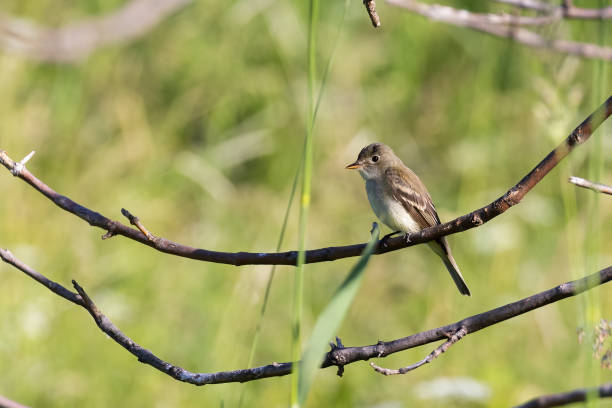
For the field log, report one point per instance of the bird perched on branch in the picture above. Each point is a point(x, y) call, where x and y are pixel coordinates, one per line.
point(401, 201)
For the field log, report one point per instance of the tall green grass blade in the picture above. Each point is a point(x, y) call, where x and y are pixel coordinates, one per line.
point(271, 275)
point(298, 286)
point(281, 238)
point(307, 160)
point(264, 305)
point(330, 319)
point(329, 62)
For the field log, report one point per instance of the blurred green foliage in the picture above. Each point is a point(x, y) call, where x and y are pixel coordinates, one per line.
point(197, 128)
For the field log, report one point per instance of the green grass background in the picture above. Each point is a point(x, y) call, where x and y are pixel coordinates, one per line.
point(198, 128)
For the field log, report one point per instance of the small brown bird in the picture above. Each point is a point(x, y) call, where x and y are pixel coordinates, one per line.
point(401, 201)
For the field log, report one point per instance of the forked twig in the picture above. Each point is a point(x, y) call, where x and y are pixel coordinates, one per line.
point(458, 335)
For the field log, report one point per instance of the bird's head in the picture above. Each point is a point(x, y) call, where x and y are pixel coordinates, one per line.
point(373, 160)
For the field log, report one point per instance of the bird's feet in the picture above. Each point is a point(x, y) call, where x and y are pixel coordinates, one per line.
point(383, 241)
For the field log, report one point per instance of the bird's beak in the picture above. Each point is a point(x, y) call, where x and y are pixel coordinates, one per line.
point(355, 165)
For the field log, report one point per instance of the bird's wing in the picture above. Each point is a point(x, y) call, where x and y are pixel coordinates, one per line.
point(403, 186)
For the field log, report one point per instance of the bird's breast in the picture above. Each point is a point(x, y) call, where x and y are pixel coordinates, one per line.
point(390, 211)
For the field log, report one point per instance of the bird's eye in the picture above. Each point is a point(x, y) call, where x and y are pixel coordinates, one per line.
point(374, 159)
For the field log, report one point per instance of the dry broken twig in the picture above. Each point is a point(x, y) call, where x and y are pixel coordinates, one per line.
point(565, 398)
point(471, 220)
point(600, 188)
point(508, 25)
point(136, 222)
point(339, 355)
point(370, 6)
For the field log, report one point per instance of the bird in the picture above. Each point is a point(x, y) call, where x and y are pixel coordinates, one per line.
point(401, 201)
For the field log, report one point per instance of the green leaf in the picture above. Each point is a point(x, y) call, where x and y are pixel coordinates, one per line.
point(330, 319)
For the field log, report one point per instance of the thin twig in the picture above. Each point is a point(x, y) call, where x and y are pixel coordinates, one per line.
point(565, 398)
point(465, 222)
point(136, 222)
point(339, 355)
point(507, 26)
point(600, 188)
point(430, 357)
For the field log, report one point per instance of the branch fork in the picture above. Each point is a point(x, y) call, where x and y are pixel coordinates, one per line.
point(18, 167)
point(452, 339)
point(336, 357)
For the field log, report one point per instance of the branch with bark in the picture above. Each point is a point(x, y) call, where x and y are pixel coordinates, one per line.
point(473, 219)
point(339, 356)
point(570, 397)
point(510, 25)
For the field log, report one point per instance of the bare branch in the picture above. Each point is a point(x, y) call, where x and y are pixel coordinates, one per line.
point(567, 9)
point(600, 188)
point(528, 4)
point(571, 11)
point(465, 222)
point(79, 39)
point(464, 18)
point(565, 398)
point(470, 324)
point(144, 356)
point(339, 355)
point(505, 26)
point(54, 287)
point(7, 403)
point(430, 357)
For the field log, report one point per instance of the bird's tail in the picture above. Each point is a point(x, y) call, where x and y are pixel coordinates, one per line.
point(441, 248)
